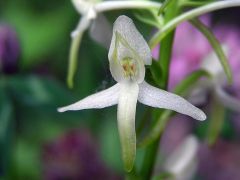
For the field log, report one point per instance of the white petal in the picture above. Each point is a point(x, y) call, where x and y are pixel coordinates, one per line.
point(126, 122)
point(101, 31)
point(102, 99)
point(81, 27)
point(182, 162)
point(82, 6)
point(199, 93)
point(126, 28)
point(84, 22)
point(227, 100)
point(155, 97)
point(212, 64)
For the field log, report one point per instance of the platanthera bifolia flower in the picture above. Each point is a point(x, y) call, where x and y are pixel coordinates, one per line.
point(100, 30)
point(216, 84)
point(127, 55)
point(182, 163)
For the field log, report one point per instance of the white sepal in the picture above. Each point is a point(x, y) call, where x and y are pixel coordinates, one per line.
point(182, 162)
point(83, 6)
point(126, 122)
point(102, 99)
point(155, 97)
point(84, 23)
point(227, 100)
point(126, 28)
point(101, 31)
point(212, 64)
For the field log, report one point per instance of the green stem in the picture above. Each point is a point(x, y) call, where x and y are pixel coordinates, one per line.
point(149, 160)
point(164, 6)
point(143, 122)
point(169, 26)
point(72, 67)
point(164, 61)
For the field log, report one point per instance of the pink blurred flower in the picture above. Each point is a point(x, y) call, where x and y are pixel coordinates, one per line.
point(230, 36)
point(171, 137)
point(74, 156)
point(191, 47)
point(221, 162)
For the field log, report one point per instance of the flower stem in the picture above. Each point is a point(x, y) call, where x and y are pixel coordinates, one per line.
point(164, 61)
point(114, 5)
point(189, 15)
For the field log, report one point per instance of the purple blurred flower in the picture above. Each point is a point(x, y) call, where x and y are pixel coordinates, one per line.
point(191, 47)
point(186, 57)
point(230, 36)
point(191, 51)
point(221, 162)
point(74, 156)
point(171, 137)
point(9, 49)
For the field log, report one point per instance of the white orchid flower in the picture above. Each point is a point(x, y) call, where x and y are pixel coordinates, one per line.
point(216, 84)
point(90, 8)
point(182, 163)
point(127, 55)
point(91, 16)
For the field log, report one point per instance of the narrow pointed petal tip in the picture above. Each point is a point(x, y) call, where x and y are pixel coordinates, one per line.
point(200, 115)
point(102, 99)
point(62, 109)
point(155, 97)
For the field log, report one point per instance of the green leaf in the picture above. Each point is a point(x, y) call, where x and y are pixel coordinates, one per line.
point(195, 3)
point(164, 6)
point(27, 162)
point(6, 115)
point(192, 78)
point(35, 91)
point(172, 24)
point(163, 176)
point(215, 45)
point(149, 17)
point(156, 72)
point(216, 121)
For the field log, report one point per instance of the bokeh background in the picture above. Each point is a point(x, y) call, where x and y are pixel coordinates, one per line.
point(37, 142)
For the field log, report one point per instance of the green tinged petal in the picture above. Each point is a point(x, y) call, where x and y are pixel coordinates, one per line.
point(126, 122)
